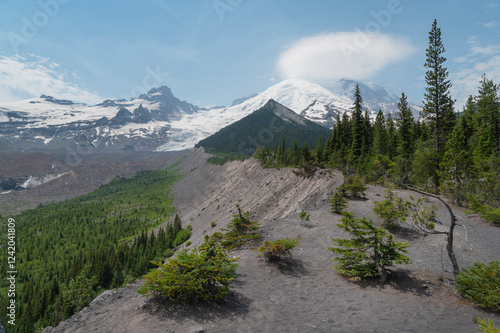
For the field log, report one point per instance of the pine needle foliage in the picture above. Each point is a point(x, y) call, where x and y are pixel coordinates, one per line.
point(487, 326)
point(391, 210)
point(337, 202)
point(488, 213)
point(203, 274)
point(481, 284)
point(353, 186)
point(273, 251)
point(239, 230)
point(369, 252)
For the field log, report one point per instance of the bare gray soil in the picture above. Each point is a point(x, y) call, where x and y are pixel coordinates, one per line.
point(303, 294)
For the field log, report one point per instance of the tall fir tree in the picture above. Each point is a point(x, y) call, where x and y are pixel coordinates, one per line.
point(438, 104)
point(358, 125)
point(404, 123)
point(391, 136)
point(368, 130)
point(305, 153)
point(345, 134)
point(488, 116)
point(379, 135)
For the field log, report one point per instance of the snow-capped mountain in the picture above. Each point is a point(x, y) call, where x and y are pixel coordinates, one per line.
point(375, 97)
point(306, 98)
point(47, 122)
point(160, 121)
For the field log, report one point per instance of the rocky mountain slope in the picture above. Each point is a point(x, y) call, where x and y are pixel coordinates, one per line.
point(304, 294)
point(46, 122)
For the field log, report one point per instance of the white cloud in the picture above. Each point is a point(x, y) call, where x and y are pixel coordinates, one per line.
point(480, 60)
point(460, 59)
point(356, 55)
point(489, 24)
point(21, 77)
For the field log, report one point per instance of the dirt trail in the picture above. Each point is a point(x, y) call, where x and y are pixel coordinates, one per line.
point(305, 294)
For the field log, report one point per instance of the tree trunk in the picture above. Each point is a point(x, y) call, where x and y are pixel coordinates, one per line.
point(380, 269)
point(449, 234)
point(449, 245)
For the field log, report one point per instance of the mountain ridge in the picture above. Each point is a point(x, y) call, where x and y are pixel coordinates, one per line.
point(160, 121)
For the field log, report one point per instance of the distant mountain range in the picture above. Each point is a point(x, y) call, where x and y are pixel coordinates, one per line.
point(160, 121)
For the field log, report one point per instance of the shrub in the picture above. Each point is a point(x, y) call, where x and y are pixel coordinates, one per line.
point(213, 224)
point(304, 217)
point(481, 284)
point(369, 252)
point(272, 251)
point(202, 274)
point(392, 210)
point(181, 237)
point(337, 202)
point(307, 170)
point(353, 187)
point(487, 326)
point(239, 230)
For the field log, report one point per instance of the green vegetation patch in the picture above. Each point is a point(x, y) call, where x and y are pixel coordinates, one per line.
point(481, 284)
point(106, 234)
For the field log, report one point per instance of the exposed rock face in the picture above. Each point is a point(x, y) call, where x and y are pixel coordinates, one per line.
point(47, 122)
point(122, 117)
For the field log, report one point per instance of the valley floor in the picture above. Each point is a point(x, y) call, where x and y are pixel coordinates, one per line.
point(68, 174)
point(304, 294)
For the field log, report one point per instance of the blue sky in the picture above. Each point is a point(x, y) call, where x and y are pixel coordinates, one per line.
point(211, 52)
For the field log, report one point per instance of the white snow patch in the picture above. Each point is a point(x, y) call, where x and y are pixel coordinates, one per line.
point(37, 181)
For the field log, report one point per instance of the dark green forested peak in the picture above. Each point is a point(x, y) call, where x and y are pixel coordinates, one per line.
point(264, 127)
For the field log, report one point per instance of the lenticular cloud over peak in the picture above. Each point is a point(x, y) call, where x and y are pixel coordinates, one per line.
point(357, 55)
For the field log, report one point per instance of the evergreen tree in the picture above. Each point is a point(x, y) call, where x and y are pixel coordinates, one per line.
point(177, 227)
point(281, 152)
point(404, 123)
point(369, 252)
point(438, 105)
point(305, 153)
point(319, 150)
point(417, 130)
point(368, 130)
point(488, 116)
point(379, 135)
point(344, 140)
point(358, 126)
point(295, 153)
point(457, 165)
point(391, 136)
